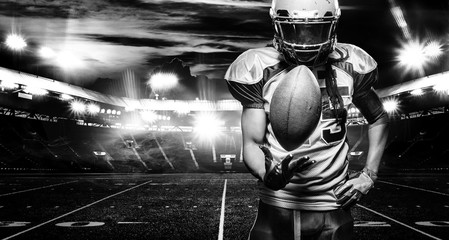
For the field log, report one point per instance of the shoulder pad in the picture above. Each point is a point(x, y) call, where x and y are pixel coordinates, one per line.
point(361, 61)
point(249, 66)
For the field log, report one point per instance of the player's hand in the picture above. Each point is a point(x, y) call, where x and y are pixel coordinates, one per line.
point(351, 191)
point(277, 175)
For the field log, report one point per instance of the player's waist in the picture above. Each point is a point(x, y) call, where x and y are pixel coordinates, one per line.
point(305, 193)
point(315, 202)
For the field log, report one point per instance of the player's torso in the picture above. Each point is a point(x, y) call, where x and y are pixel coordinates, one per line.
point(328, 131)
point(326, 145)
point(312, 189)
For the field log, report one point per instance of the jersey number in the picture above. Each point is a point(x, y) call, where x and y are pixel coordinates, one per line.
point(334, 135)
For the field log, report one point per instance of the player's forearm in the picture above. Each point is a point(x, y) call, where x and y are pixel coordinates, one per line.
point(253, 133)
point(377, 135)
point(254, 158)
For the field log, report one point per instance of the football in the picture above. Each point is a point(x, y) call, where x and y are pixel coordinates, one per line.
point(295, 107)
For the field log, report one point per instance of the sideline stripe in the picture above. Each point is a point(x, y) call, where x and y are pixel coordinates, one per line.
point(220, 231)
point(400, 223)
point(76, 210)
point(415, 188)
point(32, 189)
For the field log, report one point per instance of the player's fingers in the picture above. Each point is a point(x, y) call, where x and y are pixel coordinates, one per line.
point(305, 165)
point(352, 200)
point(298, 163)
point(287, 163)
point(342, 199)
point(339, 191)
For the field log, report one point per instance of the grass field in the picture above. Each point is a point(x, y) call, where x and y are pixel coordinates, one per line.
point(197, 206)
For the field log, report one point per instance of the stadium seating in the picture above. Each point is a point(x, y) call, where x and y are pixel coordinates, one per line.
point(31, 145)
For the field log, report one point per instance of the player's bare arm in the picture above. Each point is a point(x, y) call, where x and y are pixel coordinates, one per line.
point(360, 183)
point(377, 135)
point(254, 122)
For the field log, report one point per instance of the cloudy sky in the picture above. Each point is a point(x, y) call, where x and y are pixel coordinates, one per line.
point(114, 45)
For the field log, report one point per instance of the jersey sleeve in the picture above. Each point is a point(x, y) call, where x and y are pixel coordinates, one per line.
point(365, 75)
point(250, 96)
point(366, 99)
point(245, 76)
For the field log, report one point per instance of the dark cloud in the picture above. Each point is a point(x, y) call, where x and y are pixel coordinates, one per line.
point(45, 9)
point(242, 23)
point(113, 36)
point(194, 58)
point(15, 9)
point(132, 41)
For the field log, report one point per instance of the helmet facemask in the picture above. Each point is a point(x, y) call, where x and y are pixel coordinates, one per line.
point(302, 36)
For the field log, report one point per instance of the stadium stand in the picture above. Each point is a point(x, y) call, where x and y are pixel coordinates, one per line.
point(30, 145)
point(40, 133)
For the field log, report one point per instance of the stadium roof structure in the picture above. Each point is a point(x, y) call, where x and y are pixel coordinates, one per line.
point(25, 80)
point(421, 96)
point(419, 83)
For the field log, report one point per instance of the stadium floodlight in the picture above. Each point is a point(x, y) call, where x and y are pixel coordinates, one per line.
point(47, 52)
point(442, 88)
point(432, 49)
point(35, 90)
point(108, 111)
point(15, 42)
point(207, 125)
point(412, 55)
point(417, 92)
point(119, 113)
point(93, 108)
point(66, 97)
point(77, 107)
point(415, 55)
point(149, 116)
point(391, 105)
point(99, 153)
point(163, 81)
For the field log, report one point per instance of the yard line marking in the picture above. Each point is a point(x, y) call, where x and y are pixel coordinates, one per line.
point(74, 211)
point(400, 223)
point(415, 188)
point(220, 231)
point(32, 189)
point(133, 222)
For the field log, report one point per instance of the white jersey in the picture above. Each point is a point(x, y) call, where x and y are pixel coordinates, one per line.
point(253, 78)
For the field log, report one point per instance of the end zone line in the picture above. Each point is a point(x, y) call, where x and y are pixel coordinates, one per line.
point(400, 223)
point(415, 188)
point(221, 228)
point(32, 189)
point(76, 210)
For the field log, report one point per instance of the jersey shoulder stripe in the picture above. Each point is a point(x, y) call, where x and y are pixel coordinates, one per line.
point(249, 67)
point(360, 60)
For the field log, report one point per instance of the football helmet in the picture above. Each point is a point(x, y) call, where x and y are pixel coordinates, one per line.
point(305, 30)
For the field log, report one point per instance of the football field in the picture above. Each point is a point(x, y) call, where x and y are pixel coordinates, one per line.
point(198, 206)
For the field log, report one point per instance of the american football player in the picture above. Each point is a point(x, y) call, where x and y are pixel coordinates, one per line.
point(307, 193)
